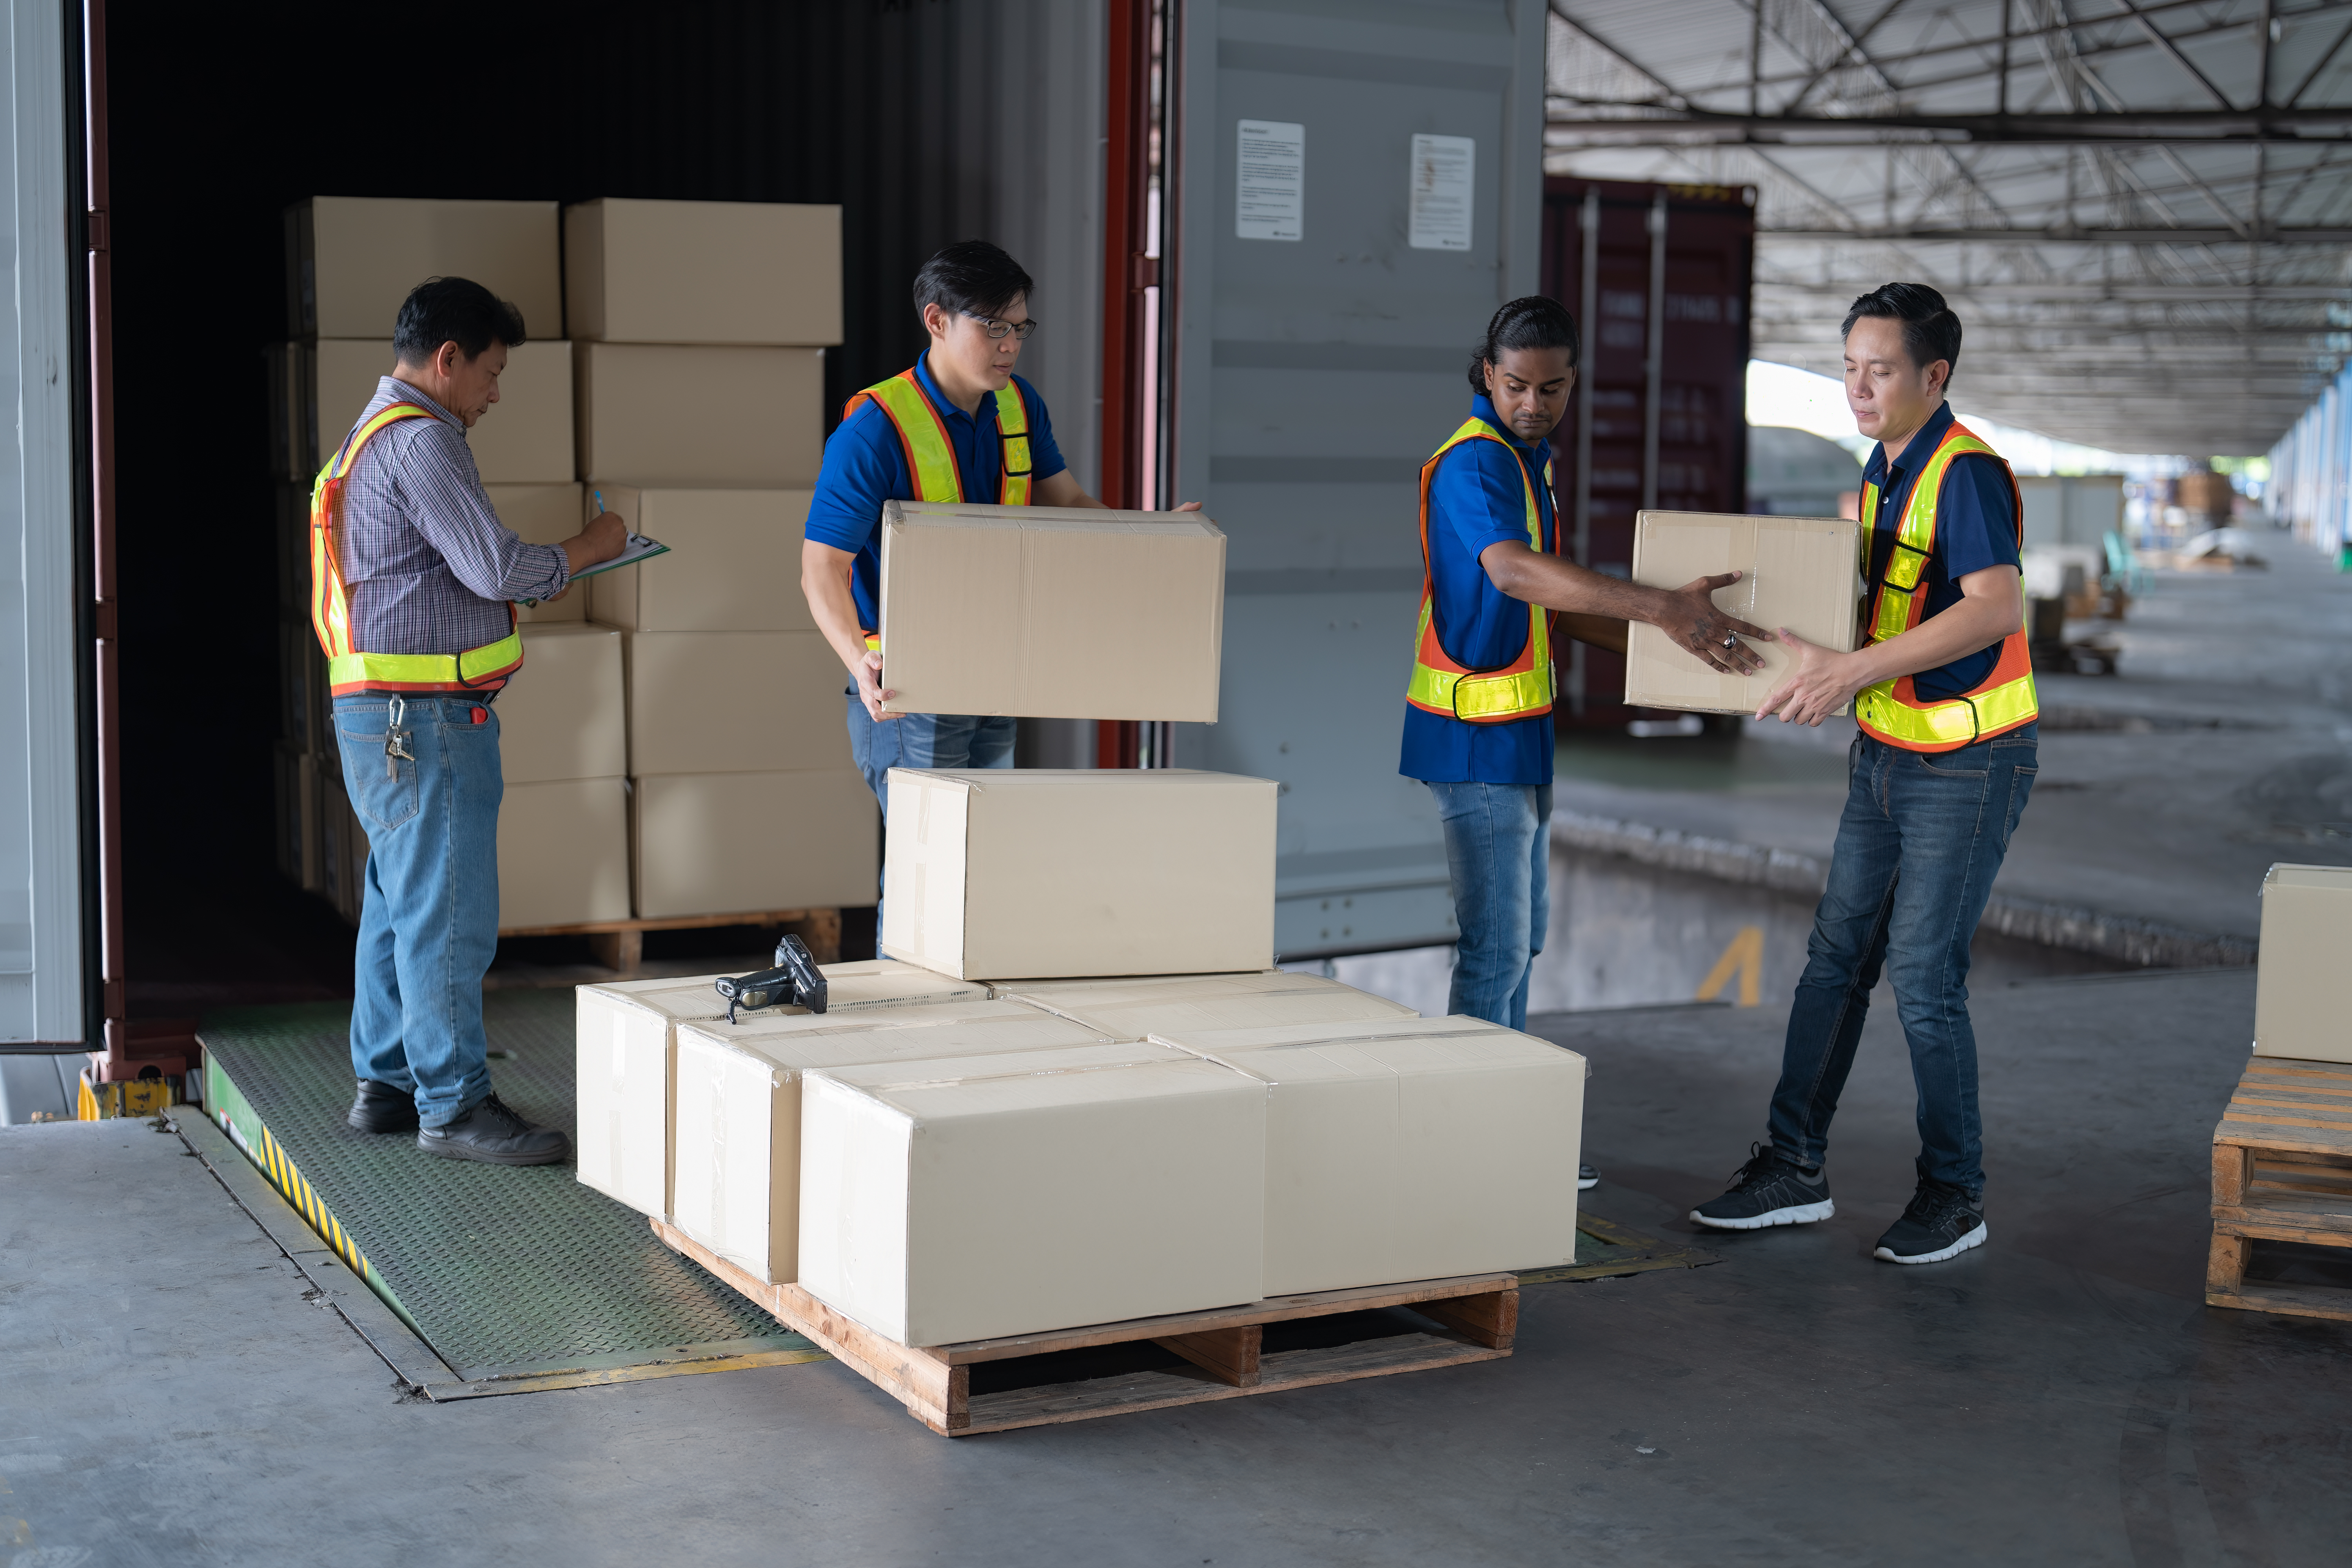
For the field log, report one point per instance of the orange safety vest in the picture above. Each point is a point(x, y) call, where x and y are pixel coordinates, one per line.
point(483, 668)
point(1892, 710)
point(1439, 684)
point(930, 456)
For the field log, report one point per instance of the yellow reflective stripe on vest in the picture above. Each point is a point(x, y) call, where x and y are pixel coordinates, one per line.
point(1013, 433)
point(1466, 695)
point(440, 669)
point(928, 451)
point(1915, 542)
point(1956, 722)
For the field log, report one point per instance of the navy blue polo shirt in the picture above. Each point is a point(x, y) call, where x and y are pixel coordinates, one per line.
point(1478, 498)
point(866, 465)
point(1976, 527)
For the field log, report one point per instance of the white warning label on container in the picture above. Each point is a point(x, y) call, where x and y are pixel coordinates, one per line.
point(1443, 170)
point(1270, 188)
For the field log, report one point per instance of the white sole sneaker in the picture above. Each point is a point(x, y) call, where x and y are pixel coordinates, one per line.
point(1796, 1213)
point(1973, 1238)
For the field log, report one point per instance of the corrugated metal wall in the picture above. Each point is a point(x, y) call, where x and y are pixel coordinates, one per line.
point(928, 120)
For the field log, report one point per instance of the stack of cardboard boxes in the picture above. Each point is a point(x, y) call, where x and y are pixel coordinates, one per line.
point(1076, 1090)
point(668, 717)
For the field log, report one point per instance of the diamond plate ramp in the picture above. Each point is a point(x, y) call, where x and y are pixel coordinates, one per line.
point(507, 1272)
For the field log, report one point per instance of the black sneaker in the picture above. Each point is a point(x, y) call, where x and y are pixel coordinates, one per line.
point(380, 1108)
point(1942, 1222)
point(492, 1134)
point(1768, 1191)
point(1587, 1178)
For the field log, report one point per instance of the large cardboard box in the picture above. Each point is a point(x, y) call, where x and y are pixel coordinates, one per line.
point(730, 843)
point(1051, 612)
point(973, 1197)
point(524, 438)
point(737, 1138)
point(565, 715)
point(625, 1038)
point(1152, 1006)
point(2298, 994)
point(563, 853)
point(1802, 573)
point(353, 260)
point(1023, 873)
point(734, 564)
point(342, 847)
point(652, 415)
point(545, 514)
point(702, 272)
point(713, 702)
point(1409, 1148)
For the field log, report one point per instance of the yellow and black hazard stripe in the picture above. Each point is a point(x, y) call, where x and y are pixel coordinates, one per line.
point(278, 1166)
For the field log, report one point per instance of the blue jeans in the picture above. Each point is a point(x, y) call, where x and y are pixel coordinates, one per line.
point(1498, 854)
point(1922, 837)
point(924, 741)
point(429, 921)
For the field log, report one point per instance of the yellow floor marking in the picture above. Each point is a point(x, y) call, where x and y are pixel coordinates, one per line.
point(1745, 956)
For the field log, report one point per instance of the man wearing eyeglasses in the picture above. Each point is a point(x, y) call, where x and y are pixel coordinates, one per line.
point(959, 426)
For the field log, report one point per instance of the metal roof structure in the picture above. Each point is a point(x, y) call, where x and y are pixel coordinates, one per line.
point(2141, 209)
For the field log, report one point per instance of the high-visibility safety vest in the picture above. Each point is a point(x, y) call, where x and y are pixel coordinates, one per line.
point(1441, 684)
point(483, 668)
point(930, 456)
point(1893, 710)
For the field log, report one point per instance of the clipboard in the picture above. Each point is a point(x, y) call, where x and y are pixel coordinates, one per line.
point(638, 548)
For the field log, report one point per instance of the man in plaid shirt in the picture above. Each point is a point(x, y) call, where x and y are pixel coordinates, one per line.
point(423, 575)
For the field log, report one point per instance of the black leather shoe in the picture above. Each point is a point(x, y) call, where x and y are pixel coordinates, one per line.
point(380, 1108)
point(492, 1134)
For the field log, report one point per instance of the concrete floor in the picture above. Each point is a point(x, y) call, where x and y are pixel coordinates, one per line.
point(2130, 816)
point(2060, 1396)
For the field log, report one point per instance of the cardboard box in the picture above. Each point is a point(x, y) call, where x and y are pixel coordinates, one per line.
point(342, 847)
point(652, 415)
point(625, 1040)
point(302, 701)
point(1409, 1148)
point(734, 564)
point(702, 272)
point(972, 1197)
point(1051, 612)
point(717, 702)
point(545, 514)
point(297, 780)
point(525, 439)
point(353, 260)
point(291, 518)
point(1149, 1007)
point(723, 843)
point(1023, 873)
point(565, 715)
point(563, 852)
point(290, 441)
point(2298, 1002)
point(1802, 573)
point(738, 1121)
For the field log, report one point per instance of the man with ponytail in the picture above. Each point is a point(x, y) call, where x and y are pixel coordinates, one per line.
point(1478, 718)
point(1943, 695)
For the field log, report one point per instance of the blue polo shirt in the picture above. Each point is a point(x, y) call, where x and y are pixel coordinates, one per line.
point(866, 465)
point(1976, 527)
point(1478, 498)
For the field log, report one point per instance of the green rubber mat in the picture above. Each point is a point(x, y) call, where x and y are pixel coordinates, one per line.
point(506, 1272)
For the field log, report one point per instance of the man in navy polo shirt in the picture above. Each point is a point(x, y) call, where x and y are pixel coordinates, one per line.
point(959, 426)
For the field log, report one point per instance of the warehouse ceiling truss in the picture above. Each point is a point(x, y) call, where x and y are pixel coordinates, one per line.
point(2142, 210)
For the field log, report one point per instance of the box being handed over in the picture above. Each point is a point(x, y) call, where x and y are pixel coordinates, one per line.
point(1802, 573)
point(1051, 612)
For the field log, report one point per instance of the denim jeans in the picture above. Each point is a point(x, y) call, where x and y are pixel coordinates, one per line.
point(429, 921)
point(924, 741)
point(1922, 837)
point(1498, 853)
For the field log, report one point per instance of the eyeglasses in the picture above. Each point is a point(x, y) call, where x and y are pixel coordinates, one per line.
point(996, 329)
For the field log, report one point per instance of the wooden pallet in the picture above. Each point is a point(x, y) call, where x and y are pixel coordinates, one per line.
point(2282, 1172)
point(1475, 1317)
point(620, 945)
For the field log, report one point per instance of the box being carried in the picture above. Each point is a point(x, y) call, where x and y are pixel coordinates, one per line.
point(1027, 873)
point(738, 1188)
point(973, 1197)
point(1802, 573)
point(2298, 994)
point(1408, 1147)
point(1051, 612)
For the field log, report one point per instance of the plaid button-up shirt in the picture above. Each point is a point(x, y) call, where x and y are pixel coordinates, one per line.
point(428, 565)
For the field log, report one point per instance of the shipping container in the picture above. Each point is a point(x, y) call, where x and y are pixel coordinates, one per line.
point(1659, 278)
